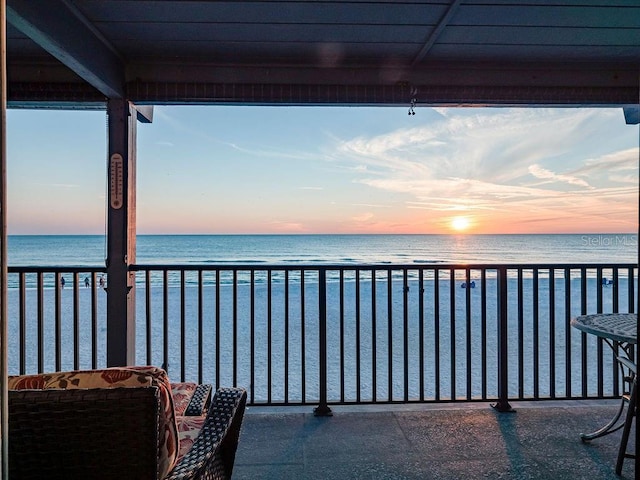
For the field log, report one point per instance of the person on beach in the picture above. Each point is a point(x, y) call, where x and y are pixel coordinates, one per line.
point(87, 283)
point(101, 281)
point(62, 282)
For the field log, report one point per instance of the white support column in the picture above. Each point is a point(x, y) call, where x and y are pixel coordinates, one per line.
point(121, 233)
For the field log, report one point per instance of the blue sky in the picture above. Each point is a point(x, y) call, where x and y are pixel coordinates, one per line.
point(240, 169)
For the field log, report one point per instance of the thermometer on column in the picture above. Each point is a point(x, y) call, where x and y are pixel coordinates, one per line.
point(116, 181)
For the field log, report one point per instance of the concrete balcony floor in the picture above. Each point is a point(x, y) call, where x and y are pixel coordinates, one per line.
point(461, 441)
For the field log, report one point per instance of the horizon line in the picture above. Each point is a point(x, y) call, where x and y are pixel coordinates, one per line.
point(313, 234)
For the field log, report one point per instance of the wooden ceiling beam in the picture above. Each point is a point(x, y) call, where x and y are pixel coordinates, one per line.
point(62, 31)
point(435, 33)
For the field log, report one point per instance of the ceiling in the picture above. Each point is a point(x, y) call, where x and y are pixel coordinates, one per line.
point(77, 53)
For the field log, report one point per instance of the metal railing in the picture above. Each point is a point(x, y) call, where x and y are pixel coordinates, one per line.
point(56, 319)
point(336, 334)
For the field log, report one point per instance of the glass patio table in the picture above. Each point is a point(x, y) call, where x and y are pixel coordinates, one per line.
point(618, 330)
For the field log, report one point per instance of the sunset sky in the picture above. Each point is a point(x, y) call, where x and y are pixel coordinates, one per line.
point(333, 170)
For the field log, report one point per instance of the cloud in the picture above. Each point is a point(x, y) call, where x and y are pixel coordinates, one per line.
point(371, 205)
point(630, 179)
point(458, 191)
point(482, 160)
point(364, 217)
point(481, 144)
point(202, 134)
point(622, 160)
point(545, 174)
point(287, 227)
point(65, 185)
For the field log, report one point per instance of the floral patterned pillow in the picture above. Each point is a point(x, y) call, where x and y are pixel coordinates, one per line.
point(188, 430)
point(28, 382)
point(137, 376)
point(182, 394)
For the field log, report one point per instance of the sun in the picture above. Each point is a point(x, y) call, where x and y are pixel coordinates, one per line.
point(460, 224)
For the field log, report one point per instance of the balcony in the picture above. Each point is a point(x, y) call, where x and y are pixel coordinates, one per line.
point(407, 358)
point(471, 441)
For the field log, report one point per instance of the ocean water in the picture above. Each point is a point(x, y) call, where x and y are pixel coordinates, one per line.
point(90, 250)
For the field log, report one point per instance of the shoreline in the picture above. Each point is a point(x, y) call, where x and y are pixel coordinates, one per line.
point(277, 276)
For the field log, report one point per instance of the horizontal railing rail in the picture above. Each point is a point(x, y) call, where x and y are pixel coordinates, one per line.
point(339, 334)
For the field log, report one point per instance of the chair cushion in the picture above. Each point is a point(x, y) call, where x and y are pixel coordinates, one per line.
point(191, 398)
point(137, 376)
point(188, 430)
point(182, 393)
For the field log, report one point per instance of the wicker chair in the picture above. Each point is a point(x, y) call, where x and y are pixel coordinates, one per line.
point(112, 433)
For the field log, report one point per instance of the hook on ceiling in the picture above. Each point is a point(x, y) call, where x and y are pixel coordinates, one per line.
point(412, 105)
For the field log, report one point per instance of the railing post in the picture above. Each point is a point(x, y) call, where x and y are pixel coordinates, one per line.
point(503, 358)
point(322, 410)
